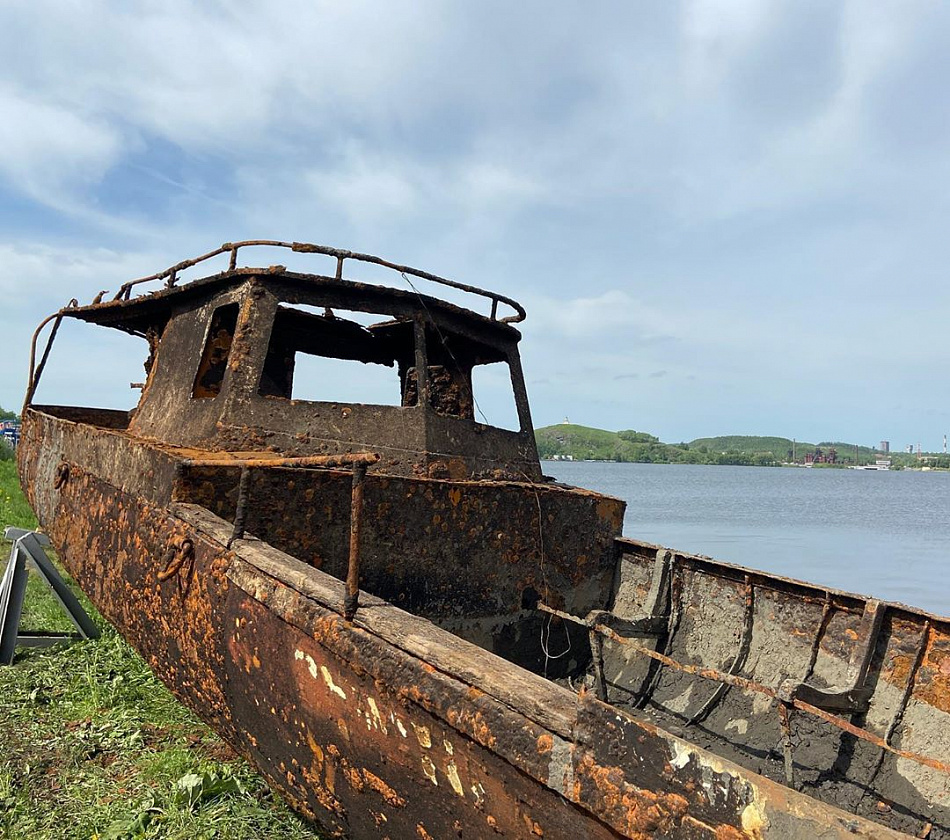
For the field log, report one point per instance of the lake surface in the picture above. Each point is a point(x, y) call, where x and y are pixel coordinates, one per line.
point(885, 534)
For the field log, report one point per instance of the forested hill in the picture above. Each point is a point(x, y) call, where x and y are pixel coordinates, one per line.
point(567, 440)
point(778, 446)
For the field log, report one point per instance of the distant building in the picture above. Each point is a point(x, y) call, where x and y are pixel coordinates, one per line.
point(885, 446)
point(819, 457)
point(10, 432)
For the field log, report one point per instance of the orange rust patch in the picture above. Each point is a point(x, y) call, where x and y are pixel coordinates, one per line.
point(353, 777)
point(384, 790)
point(638, 813)
point(545, 743)
point(532, 826)
point(728, 832)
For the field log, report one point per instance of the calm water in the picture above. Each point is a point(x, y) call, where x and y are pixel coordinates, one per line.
point(885, 534)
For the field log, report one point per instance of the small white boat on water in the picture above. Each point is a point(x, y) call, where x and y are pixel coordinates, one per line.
point(879, 464)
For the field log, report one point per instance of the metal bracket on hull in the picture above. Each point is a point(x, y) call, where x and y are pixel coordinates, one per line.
point(28, 548)
point(854, 697)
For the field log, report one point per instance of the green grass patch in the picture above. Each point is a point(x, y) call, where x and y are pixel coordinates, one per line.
point(93, 746)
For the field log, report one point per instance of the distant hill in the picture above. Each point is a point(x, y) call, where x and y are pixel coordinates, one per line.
point(568, 440)
point(752, 444)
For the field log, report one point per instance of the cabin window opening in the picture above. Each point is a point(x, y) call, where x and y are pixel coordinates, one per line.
point(319, 354)
point(494, 397)
point(322, 379)
point(93, 366)
point(214, 359)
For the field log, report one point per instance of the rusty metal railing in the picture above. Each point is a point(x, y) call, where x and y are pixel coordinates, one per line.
point(357, 461)
point(170, 275)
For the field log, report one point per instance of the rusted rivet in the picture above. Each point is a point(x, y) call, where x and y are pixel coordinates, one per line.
point(176, 555)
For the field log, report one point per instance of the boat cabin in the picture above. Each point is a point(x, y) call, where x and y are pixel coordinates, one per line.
point(225, 351)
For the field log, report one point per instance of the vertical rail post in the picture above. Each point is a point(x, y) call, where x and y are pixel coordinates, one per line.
point(422, 362)
point(597, 655)
point(240, 512)
point(784, 717)
point(352, 600)
point(12, 591)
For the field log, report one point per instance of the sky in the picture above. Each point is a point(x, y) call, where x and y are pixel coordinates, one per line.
point(722, 216)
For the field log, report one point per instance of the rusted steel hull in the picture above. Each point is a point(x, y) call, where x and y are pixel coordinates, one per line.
point(388, 725)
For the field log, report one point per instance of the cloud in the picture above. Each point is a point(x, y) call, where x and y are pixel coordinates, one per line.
point(37, 279)
point(612, 312)
point(368, 187)
point(724, 190)
point(46, 149)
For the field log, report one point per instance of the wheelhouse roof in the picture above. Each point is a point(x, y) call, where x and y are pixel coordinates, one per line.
point(140, 313)
point(136, 314)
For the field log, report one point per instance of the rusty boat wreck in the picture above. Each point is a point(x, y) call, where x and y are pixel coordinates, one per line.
point(412, 633)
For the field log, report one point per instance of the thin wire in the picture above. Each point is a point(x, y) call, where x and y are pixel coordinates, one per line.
point(545, 625)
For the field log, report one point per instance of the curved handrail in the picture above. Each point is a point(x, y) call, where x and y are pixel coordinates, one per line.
point(170, 275)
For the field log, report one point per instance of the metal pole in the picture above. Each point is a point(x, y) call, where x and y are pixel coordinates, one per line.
point(352, 600)
point(12, 590)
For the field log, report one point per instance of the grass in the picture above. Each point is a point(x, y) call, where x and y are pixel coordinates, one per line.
point(93, 746)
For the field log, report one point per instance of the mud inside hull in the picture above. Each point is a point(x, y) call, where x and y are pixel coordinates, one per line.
point(779, 635)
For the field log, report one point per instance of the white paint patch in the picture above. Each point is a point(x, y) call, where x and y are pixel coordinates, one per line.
point(401, 728)
point(681, 756)
point(741, 725)
point(561, 767)
point(448, 746)
point(478, 792)
point(378, 721)
point(311, 665)
point(429, 769)
point(327, 678)
point(452, 774)
point(716, 785)
point(761, 703)
point(422, 735)
point(679, 703)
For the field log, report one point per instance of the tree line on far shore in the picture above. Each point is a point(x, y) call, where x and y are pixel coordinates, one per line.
point(580, 443)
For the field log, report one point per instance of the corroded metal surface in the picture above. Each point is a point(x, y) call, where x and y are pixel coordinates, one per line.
point(518, 541)
point(385, 726)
